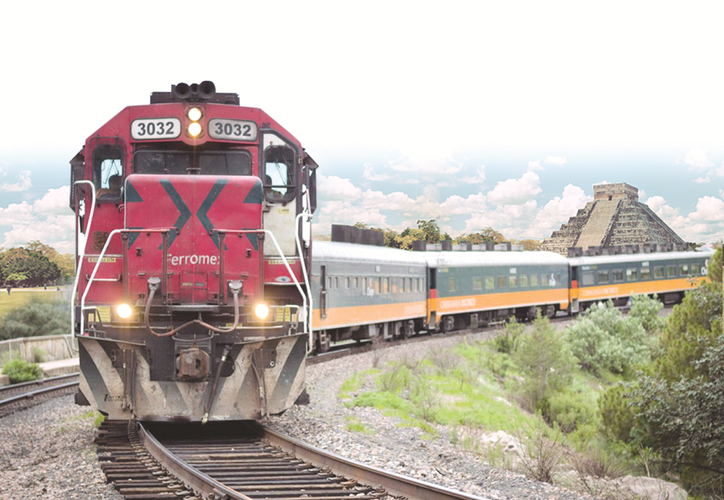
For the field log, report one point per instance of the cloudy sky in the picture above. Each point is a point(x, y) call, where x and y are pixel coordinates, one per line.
point(500, 114)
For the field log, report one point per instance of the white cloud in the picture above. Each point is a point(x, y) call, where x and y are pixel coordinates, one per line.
point(698, 158)
point(23, 184)
point(535, 165)
point(56, 231)
point(346, 212)
point(701, 180)
point(54, 202)
point(426, 158)
point(558, 210)
point(48, 219)
point(515, 191)
point(371, 175)
point(705, 224)
point(478, 178)
point(555, 160)
point(668, 214)
point(708, 209)
point(337, 188)
point(16, 213)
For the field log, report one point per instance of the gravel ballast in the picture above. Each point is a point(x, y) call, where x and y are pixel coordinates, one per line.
point(48, 451)
point(387, 445)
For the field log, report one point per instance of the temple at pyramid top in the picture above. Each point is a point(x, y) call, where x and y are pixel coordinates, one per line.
point(615, 218)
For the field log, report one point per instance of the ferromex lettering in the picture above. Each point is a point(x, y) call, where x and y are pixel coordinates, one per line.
point(180, 260)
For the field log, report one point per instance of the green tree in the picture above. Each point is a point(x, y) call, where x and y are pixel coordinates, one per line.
point(676, 407)
point(65, 262)
point(36, 267)
point(486, 235)
point(714, 269)
point(690, 329)
point(430, 230)
point(528, 244)
point(408, 236)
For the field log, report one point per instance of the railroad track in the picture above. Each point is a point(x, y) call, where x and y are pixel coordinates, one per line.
point(241, 460)
point(18, 397)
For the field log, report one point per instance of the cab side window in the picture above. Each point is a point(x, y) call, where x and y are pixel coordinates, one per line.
point(108, 173)
point(278, 176)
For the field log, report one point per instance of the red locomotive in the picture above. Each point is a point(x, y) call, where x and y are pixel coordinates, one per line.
point(193, 222)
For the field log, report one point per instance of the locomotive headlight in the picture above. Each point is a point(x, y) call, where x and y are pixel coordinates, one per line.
point(194, 114)
point(194, 129)
point(124, 311)
point(261, 310)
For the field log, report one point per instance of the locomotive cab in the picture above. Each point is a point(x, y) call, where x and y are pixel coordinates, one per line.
point(193, 242)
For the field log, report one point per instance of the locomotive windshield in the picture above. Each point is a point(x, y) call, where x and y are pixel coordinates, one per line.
point(231, 162)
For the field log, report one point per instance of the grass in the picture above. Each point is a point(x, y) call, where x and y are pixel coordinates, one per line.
point(354, 425)
point(19, 298)
point(466, 393)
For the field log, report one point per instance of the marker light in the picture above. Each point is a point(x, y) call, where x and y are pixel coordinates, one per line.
point(261, 310)
point(194, 129)
point(124, 311)
point(194, 114)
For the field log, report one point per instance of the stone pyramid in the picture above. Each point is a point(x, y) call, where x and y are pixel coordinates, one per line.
point(615, 217)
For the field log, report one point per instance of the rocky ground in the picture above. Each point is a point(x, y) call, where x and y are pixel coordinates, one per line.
point(47, 451)
point(387, 445)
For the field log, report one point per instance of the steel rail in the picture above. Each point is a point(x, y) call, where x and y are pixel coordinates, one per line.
point(38, 392)
point(38, 383)
point(201, 483)
point(393, 484)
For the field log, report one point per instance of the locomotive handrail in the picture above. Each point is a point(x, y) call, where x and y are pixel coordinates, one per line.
point(79, 264)
point(310, 346)
point(284, 259)
point(100, 259)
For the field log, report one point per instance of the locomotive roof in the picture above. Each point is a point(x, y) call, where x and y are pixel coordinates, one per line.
point(494, 258)
point(639, 257)
point(335, 250)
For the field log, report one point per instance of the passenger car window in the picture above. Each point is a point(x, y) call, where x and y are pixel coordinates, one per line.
point(477, 283)
point(631, 274)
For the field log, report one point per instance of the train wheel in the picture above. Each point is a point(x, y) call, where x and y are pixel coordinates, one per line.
point(448, 323)
point(408, 329)
point(323, 341)
point(550, 312)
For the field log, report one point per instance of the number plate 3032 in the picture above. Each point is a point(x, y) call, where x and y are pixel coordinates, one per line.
point(155, 128)
point(232, 130)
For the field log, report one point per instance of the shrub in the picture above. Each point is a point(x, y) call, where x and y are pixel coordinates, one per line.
point(618, 415)
point(604, 338)
point(646, 311)
point(507, 342)
point(395, 379)
point(19, 370)
point(571, 410)
point(426, 401)
point(546, 362)
point(35, 319)
point(543, 455)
